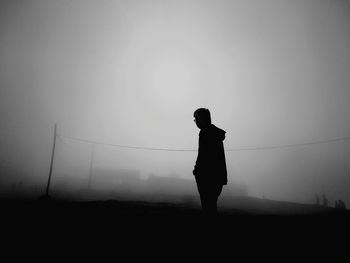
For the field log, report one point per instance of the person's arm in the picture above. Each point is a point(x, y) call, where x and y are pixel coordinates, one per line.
point(196, 166)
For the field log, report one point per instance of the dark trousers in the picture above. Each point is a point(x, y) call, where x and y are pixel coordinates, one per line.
point(209, 193)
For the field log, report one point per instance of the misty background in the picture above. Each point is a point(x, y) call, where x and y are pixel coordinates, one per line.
point(132, 73)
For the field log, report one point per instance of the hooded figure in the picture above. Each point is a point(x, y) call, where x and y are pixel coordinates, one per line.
point(210, 168)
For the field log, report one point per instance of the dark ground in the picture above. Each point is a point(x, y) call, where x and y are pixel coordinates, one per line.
point(122, 231)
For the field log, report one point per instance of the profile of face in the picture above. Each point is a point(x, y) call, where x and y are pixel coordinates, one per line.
point(202, 118)
point(200, 122)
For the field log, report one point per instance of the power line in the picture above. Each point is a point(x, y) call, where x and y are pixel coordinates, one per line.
point(125, 146)
point(291, 145)
point(192, 150)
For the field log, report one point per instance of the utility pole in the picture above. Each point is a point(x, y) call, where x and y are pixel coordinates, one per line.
point(91, 164)
point(51, 164)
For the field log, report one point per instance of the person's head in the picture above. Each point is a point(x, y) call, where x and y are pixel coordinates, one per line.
point(202, 118)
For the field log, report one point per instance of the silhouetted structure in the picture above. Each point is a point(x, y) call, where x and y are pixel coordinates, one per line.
point(120, 180)
point(324, 200)
point(169, 185)
point(317, 199)
point(340, 204)
point(210, 168)
point(17, 188)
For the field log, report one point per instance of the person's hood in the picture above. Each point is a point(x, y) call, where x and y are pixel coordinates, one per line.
point(213, 131)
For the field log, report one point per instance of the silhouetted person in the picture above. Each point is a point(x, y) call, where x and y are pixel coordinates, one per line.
point(324, 200)
point(210, 168)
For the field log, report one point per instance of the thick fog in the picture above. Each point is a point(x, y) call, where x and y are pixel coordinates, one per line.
point(132, 73)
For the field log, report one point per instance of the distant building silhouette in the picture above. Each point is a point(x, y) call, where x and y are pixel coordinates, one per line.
point(340, 205)
point(317, 198)
point(128, 184)
point(170, 185)
point(17, 188)
point(325, 201)
point(120, 180)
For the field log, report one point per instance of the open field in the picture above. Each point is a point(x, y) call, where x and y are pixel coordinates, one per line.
point(166, 232)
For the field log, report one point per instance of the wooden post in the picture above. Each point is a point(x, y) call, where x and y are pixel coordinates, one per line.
point(51, 164)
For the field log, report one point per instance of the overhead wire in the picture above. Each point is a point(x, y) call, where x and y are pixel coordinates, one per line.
point(339, 139)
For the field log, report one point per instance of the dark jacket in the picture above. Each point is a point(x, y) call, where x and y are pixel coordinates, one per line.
point(211, 164)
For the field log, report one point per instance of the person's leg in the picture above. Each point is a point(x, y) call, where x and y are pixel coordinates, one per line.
point(209, 193)
point(215, 191)
point(206, 206)
point(218, 190)
point(201, 192)
point(204, 194)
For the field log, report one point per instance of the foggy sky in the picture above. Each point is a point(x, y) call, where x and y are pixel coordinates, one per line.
point(132, 72)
